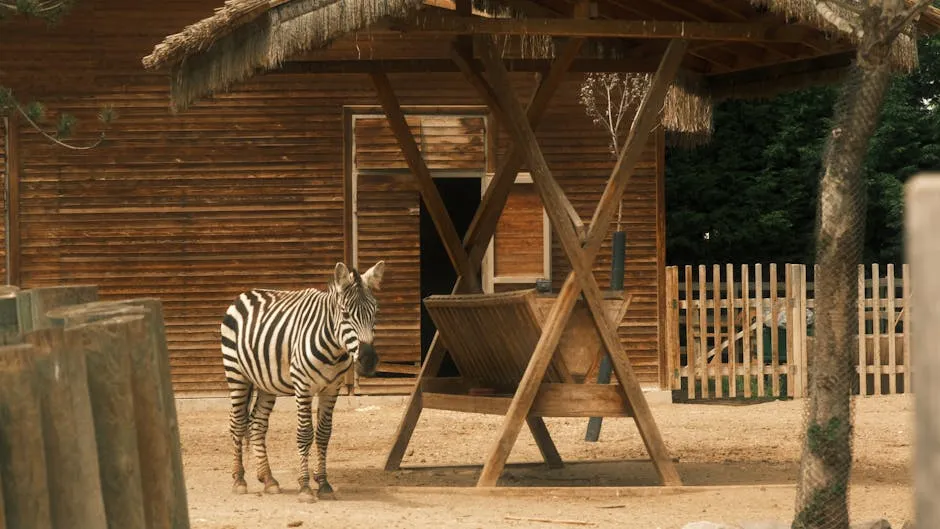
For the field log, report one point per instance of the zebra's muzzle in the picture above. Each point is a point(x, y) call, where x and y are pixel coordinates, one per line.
point(368, 360)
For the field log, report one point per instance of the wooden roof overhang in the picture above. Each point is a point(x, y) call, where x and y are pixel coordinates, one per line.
point(716, 39)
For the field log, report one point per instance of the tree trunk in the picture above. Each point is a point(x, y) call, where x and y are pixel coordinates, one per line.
point(827, 452)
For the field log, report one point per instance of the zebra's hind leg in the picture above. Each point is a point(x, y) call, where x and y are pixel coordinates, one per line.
point(239, 394)
point(259, 429)
point(326, 401)
point(304, 440)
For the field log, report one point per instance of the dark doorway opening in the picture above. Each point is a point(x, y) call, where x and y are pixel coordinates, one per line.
point(461, 197)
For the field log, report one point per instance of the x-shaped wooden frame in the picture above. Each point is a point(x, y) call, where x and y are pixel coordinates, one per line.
point(499, 97)
point(581, 278)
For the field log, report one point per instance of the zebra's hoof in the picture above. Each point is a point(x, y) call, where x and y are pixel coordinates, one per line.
point(325, 491)
point(306, 496)
point(240, 488)
point(272, 488)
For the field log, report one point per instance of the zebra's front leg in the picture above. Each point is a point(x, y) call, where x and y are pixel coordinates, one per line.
point(304, 440)
point(326, 401)
point(259, 429)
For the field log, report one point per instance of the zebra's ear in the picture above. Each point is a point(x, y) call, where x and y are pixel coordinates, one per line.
point(373, 276)
point(341, 275)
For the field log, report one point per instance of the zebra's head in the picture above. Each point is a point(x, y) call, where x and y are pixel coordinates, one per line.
point(357, 308)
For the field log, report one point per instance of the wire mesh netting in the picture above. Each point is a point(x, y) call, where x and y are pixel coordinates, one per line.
point(823, 485)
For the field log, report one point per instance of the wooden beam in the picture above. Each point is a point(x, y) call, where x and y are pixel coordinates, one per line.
point(477, 81)
point(430, 195)
point(477, 239)
point(551, 400)
point(13, 168)
point(441, 24)
point(780, 77)
point(645, 63)
point(581, 263)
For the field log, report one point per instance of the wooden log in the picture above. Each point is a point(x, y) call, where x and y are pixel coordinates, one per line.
point(3, 515)
point(9, 321)
point(33, 304)
point(155, 406)
point(105, 345)
point(922, 247)
point(71, 451)
point(22, 454)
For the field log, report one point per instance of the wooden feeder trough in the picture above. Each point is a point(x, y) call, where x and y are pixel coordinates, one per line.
point(491, 338)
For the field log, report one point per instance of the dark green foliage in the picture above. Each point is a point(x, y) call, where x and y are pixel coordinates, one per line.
point(753, 188)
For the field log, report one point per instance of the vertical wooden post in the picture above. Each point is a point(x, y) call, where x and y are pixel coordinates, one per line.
point(774, 332)
point(862, 353)
point(876, 326)
point(155, 406)
point(922, 216)
point(13, 200)
point(759, 315)
point(892, 324)
point(703, 330)
point(791, 349)
point(105, 345)
point(689, 335)
point(804, 340)
point(746, 327)
point(906, 343)
point(716, 328)
point(22, 450)
point(732, 334)
point(69, 434)
point(672, 328)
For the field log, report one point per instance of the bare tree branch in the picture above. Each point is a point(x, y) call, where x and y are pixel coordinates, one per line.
point(906, 17)
point(827, 11)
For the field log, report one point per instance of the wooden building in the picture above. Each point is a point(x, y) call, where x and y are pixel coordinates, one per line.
point(272, 182)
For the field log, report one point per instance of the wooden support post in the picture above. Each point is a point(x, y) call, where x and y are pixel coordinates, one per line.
point(923, 255)
point(155, 406)
point(22, 450)
point(105, 345)
point(544, 442)
point(581, 263)
point(69, 433)
point(477, 239)
point(429, 193)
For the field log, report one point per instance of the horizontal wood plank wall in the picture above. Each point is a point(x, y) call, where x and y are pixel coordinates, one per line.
point(245, 190)
point(3, 200)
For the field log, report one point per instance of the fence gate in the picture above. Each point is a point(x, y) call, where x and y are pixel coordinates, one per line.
point(748, 331)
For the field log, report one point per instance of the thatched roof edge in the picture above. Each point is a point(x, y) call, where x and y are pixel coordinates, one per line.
point(246, 36)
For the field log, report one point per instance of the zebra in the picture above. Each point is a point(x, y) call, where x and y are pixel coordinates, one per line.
point(300, 343)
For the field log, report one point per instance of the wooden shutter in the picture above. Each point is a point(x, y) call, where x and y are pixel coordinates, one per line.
point(387, 211)
point(518, 255)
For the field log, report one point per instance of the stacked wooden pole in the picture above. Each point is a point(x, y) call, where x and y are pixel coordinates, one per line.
point(88, 428)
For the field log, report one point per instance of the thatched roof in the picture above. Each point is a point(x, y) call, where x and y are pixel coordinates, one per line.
point(247, 37)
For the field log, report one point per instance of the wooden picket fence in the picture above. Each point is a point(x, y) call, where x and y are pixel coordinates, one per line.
point(748, 331)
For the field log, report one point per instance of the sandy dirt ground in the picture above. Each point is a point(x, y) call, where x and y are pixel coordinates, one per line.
point(751, 451)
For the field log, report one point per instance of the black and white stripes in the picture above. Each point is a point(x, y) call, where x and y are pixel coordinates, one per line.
point(301, 343)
